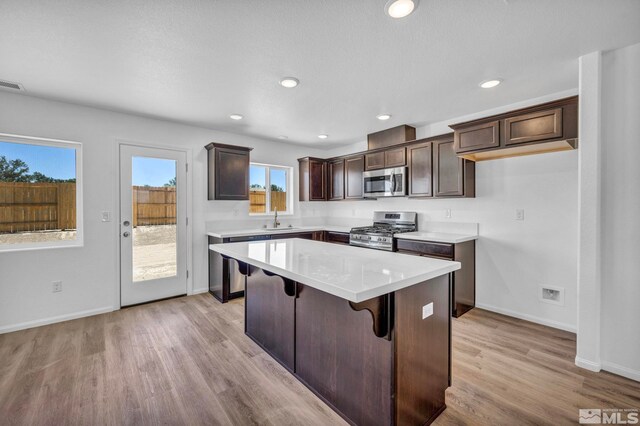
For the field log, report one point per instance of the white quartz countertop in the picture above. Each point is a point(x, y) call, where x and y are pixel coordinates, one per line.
point(228, 233)
point(437, 237)
point(349, 272)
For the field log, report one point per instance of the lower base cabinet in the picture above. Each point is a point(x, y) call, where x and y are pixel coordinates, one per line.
point(225, 281)
point(264, 295)
point(463, 284)
point(377, 362)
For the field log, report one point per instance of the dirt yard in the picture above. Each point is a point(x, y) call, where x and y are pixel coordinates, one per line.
point(154, 252)
point(154, 248)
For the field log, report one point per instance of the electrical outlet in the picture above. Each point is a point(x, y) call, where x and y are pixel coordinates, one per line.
point(519, 214)
point(550, 294)
point(447, 213)
point(56, 286)
point(427, 310)
point(106, 216)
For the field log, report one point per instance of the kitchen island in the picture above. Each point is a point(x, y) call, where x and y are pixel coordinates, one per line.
point(367, 331)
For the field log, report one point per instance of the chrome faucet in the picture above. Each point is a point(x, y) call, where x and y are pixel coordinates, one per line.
point(275, 218)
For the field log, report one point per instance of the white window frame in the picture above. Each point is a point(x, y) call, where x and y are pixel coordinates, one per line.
point(77, 146)
point(289, 173)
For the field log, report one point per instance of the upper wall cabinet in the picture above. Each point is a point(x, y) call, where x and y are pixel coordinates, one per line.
point(228, 171)
point(394, 157)
point(420, 162)
point(336, 180)
point(452, 176)
point(353, 169)
point(312, 179)
point(548, 127)
point(390, 137)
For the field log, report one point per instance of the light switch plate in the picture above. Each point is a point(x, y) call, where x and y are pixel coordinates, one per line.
point(447, 213)
point(427, 310)
point(519, 214)
point(106, 216)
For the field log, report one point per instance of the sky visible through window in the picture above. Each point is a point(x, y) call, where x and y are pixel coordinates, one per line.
point(257, 176)
point(54, 162)
point(152, 171)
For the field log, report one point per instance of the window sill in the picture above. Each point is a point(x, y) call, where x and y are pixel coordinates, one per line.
point(7, 248)
point(270, 214)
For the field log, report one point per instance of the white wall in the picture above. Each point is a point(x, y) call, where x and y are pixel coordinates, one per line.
point(620, 266)
point(89, 273)
point(513, 258)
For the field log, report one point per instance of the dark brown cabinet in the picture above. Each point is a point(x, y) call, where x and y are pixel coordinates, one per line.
point(374, 160)
point(548, 127)
point(452, 176)
point(536, 126)
point(353, 169)
point(312, 179)
point(228, 172)
point(336, 237)
point(463, 283)
point(336, 180)
point(419, 160)
point(395, 157)
point(266, 294)
point(389, 137)
point(478, 137)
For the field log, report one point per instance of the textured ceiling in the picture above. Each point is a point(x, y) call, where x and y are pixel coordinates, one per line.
point(199, 61)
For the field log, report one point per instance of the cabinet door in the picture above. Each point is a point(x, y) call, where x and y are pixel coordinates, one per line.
point(354, 167)
point(478, 137)
point(448, 178)
point(231, 174)
point(336, 180)
point(337, 237)
point(317, 180)
point(374, 161)
point(536, 126)
point(270, 314)
point(420, 170)
point(395, 157)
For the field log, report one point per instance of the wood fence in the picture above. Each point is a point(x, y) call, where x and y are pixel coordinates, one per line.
point(258, 201)
point(154, 205)
point(52, 206)
point(37, 206)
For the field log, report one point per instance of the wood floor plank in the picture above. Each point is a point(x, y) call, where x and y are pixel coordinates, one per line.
point(187, 361)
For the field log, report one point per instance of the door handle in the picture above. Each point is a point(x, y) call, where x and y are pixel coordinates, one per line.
point(126, 234)
point(126, 223)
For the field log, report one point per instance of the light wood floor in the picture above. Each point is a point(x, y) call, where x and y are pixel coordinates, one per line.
point(187, 361)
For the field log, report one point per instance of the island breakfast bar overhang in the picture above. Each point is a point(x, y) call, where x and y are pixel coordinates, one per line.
point(367, 331)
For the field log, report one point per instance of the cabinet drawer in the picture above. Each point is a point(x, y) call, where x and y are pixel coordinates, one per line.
point(374, 161)
point(536, 126)
point(395, 157)
point(426, 248)
point(337, 237)
point(474, 138)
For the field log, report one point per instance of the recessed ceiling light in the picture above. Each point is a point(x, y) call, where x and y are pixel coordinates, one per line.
point(400, 8)
point(488, 84)
point(236, 117)
point(383, 117)
point(323, 136)
point(289, 82)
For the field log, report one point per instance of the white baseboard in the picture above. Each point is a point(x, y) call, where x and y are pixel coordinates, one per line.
point(200, 290)
point(621, 371)
point(588, 365)
point(51, 320)
point(527, 317)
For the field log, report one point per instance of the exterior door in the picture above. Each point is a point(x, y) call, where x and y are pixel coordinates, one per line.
point(153, 224)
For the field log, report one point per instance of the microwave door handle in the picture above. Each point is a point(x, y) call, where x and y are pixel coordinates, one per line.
point(393, 183)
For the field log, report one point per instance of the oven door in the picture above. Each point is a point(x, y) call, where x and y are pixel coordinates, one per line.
point(385, 183)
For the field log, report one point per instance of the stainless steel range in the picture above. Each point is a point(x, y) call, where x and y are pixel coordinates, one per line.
point(385, 225)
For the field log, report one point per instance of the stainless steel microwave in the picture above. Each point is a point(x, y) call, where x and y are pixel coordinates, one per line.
point(385, 183)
